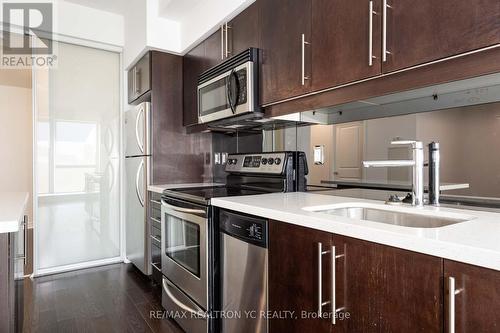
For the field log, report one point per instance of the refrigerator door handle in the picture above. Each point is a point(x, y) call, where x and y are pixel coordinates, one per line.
point(140, 142)
point(137, 178)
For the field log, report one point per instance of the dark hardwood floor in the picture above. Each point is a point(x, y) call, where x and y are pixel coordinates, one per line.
point(114, 298)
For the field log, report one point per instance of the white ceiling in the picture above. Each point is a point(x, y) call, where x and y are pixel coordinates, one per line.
point(113, 6)
point(171, 9)
point(176, 9)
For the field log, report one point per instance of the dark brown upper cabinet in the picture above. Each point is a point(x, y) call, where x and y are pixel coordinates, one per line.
point(139, 79)
point(193, 65)
point(285, 29)
point(213, 50)
point(345, 41)
point(243, 30)
point(429, 30)
point(474, 301)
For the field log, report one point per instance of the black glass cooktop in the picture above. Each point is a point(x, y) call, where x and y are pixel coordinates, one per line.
point(207, 193)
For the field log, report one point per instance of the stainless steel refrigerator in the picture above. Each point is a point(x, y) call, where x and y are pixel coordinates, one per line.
point(137, 170)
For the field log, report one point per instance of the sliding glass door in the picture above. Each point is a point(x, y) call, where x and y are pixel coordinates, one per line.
point(77, 164)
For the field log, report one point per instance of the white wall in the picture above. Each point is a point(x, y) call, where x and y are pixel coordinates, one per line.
point(16, 153)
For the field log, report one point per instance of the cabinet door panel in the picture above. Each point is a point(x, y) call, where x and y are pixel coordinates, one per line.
point(282, 23)
point(244, 30)
point(143, 69)
point(411, 291)
point(356, 284)
point(341, 41)
point(477, 303)
point(213, 48)
point(193, 65)
point(293, 276)
point(430, 30)
point(132, 95)
point(385, 289)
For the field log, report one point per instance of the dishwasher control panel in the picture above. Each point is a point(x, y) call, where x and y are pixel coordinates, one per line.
point(246, 228)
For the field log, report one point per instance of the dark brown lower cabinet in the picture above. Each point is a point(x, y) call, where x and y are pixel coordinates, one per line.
point(386, 289)
point(293, 278)
point(476, 304)
point(378, 288)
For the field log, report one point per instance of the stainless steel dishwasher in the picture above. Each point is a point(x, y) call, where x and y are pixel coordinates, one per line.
point(243, 275)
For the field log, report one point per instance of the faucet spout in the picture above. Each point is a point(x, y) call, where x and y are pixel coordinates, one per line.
point(417, 164)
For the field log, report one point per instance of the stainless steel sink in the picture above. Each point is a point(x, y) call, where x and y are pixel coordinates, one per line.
point(393, 217)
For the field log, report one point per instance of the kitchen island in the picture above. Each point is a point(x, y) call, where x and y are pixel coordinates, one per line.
point(12, 258)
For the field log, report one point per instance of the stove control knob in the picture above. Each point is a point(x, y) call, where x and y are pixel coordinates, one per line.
point(264, 161)
point(235, 161)
point(270, 161)
point(277, 161)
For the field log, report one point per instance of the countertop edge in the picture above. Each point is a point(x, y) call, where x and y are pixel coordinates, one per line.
point(8, 226)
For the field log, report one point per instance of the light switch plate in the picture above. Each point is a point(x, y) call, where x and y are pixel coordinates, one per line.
point(319, 154)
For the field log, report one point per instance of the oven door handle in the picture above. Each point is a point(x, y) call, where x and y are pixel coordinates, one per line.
point(183, 306)
point(182, 210)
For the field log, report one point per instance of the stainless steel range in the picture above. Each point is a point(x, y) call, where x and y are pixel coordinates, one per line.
point(190, 233)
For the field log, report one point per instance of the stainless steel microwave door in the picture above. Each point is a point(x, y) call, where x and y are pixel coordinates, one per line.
point(137, 232)
point(137, 131)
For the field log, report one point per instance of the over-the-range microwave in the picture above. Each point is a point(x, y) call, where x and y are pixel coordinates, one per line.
point(230, 89)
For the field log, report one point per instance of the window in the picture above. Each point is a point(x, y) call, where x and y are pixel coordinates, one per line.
point(67, 156)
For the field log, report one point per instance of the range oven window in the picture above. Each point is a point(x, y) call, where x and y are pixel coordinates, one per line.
point(182, 243)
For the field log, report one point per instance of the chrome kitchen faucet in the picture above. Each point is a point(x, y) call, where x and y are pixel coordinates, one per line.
point(418, 168)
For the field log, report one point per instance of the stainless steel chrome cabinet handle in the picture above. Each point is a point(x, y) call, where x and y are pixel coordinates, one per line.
point(134, 81)
point(371, 12)
point(227, 40)
point(451, 303)
point(179, 303)
point(156, 266)
point(222, 42)
point(137, 82)
point(137, 178)
point(155, 219)
point(385, 52)
point(334, 283)
point(25, 241)
point(182, 210)
point(303, 46)
point(320, 254)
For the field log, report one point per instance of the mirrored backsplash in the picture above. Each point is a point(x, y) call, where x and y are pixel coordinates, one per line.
point(469, 139)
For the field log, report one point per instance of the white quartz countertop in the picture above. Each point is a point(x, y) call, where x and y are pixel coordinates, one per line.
point(12, 208)
point(163, 187)
point(475, 241)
